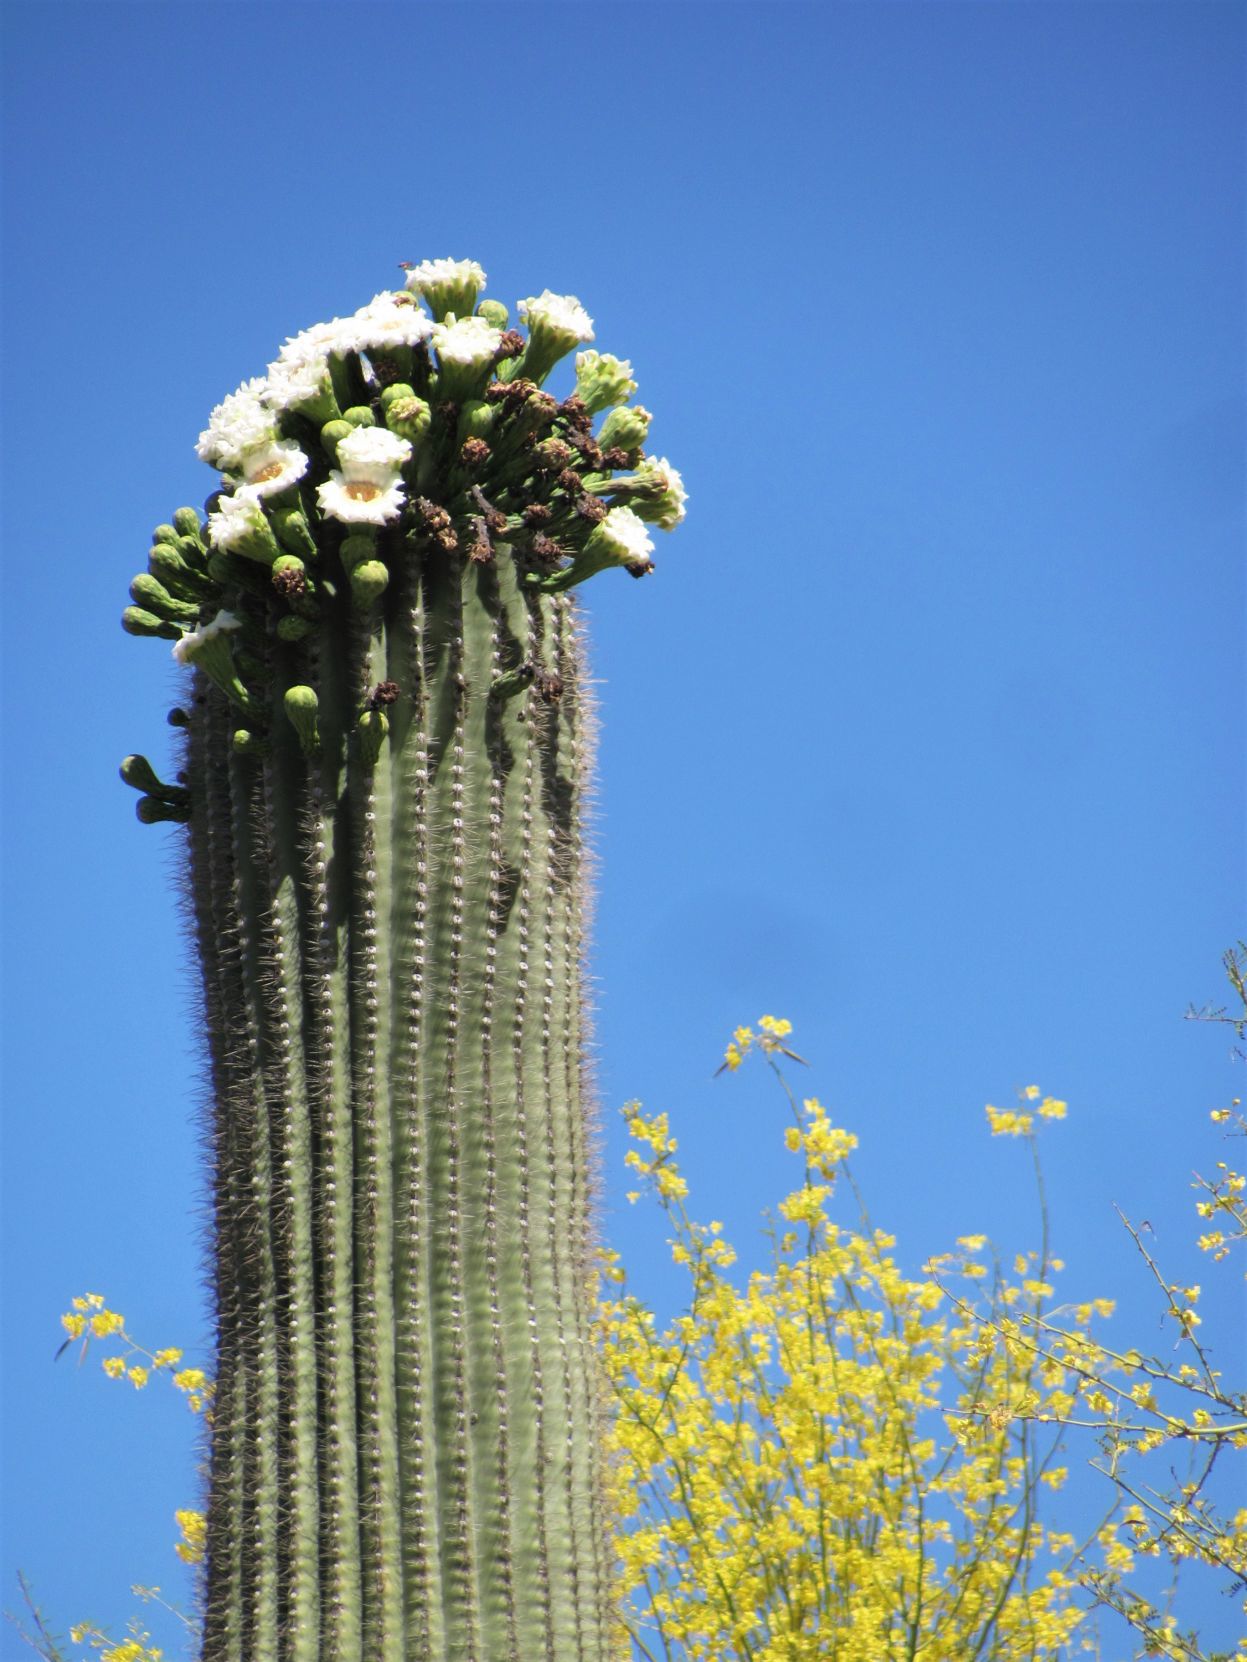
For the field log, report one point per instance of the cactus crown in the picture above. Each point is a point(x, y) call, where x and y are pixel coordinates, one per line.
point(390, 434)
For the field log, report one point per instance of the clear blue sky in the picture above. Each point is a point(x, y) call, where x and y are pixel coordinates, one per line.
point(926, 733)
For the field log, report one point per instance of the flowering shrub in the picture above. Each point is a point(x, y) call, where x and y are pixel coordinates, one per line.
point(831, 1457)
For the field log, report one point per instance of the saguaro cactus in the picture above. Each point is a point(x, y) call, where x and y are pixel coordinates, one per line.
point(386, 749)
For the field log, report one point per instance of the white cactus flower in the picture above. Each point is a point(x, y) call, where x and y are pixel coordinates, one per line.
point(185, 650)
point(292, 382)
point(237, 519)
point(238, 423)
point(672, 502)
point(467, 340)
point(373, 453)
point(626, 535)
point(360, 501)
point(561, 314)
point(387, 320)
point(270, 469)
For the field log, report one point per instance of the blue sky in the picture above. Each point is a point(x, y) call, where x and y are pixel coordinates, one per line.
point(925, 734)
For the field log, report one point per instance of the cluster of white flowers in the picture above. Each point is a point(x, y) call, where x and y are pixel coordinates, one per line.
point(367, 488)
point(243, 439)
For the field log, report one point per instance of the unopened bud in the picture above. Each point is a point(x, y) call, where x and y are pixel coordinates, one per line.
point(371, 730)
point(136, 621)
point(301, 706)
point(368, 582)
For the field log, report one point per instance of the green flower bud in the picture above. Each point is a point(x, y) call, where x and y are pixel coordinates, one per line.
point(476, 419)
point(152, 595)
point(372, 728)
point(368, 582)
point(168, 567)
point(602, 380)
point(358, 547)
point(292, 531)
point(494, 313)
point(188, 523)
point(140, 775)
point(359, 415)
point(406, 414)
point(151, 810)
point(192, 550)
point(625, 428)
point(166, 533)
point(136, 621)
point(178, 717)
point(293, 628)
point(301, 705)
point(247, 743)
point(331, 434)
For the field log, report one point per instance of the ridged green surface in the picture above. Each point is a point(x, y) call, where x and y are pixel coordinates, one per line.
point(407, 1417)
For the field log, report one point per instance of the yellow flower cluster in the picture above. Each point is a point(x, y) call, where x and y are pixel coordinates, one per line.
point(1010, 1122)
point(831, 1458)
point(772, 1031)
point(194, 1528)
point(89, 1317)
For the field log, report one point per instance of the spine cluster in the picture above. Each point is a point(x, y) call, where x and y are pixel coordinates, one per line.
point(384, 775)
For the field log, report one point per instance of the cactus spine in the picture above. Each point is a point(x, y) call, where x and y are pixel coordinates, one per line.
point(383, 787)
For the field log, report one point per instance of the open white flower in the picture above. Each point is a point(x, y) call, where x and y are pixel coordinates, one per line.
point(468, 340)
point(626, 536)
point(447, 285)
point(238, 520)
point(359, 500)
point(372, 453)
point(432, 273)
point(270, 469)
point(387, 320)
point(310, 345)
point(670, 506)
point(185, 650)
point(238, 423)
point(294, 383)
point(561, 314)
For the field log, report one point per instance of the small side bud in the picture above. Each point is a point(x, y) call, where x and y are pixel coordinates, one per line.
point(358, 547)
point(494, 313)
point(368, 582)
point(148, 592)
point(166, 533)
point(178, 717)
point(152, 811)
point(359, 415)
point(301, 705)
point(292, 628)
point(247, 743)
point(187, 521)
point(140, 775)
point(331, 434)
point(371, 730)
point(136, 621)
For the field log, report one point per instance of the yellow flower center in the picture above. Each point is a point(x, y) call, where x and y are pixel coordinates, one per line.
point(272, 471)
point(362, 490)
